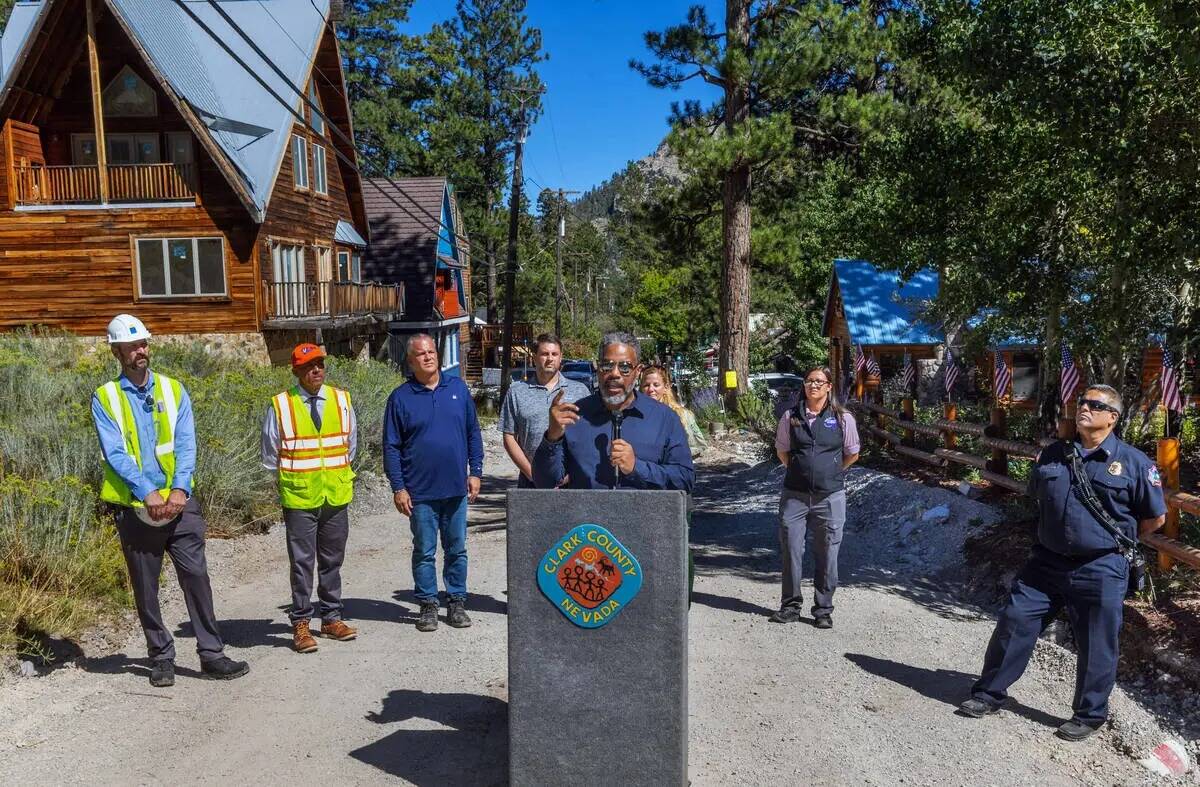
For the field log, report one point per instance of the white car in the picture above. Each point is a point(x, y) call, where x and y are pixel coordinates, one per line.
point(778, 382)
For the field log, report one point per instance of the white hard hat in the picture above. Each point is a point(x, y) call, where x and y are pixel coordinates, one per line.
point(126, 328)
point(144, 514)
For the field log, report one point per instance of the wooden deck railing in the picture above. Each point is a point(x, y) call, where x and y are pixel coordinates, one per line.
point(38, 184)
point(494, 334)
point(331, 299)
point(994, 468)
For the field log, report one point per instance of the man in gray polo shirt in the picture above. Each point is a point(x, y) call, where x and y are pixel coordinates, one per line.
point(525, 414)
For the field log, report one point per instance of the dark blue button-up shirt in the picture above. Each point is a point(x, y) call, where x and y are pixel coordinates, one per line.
point(655, 432)
point(430, 437)
point(1125, 480)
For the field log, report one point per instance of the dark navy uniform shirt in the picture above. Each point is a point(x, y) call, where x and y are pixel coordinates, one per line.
point(430, 437)
point(1125, 480)
point(652, 429)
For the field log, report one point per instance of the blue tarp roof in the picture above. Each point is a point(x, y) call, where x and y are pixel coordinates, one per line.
point(879, 311)
point(345, 233)
point(210, 80)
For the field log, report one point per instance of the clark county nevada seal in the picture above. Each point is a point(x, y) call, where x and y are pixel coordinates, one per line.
point(589, 575)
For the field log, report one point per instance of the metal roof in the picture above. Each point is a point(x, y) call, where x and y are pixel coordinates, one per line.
point(347, 234)
point(879, 310)
point(403, 217)
point(248, 125)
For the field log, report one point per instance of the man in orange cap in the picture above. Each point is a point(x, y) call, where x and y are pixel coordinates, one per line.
point(309, 437)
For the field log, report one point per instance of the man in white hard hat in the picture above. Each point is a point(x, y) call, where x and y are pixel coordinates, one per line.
point(148, 438)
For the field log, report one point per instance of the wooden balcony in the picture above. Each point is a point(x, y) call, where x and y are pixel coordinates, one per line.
point(39, 184)
point(287, 304)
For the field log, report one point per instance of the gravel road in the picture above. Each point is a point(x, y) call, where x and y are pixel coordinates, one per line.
point(869, 702)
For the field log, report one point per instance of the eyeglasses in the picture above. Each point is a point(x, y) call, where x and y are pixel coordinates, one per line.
point(816, 383)
point(607, 366)
point(1096, 404)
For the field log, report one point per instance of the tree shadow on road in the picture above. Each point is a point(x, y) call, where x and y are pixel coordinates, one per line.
point(474, 751)
point(943, 685)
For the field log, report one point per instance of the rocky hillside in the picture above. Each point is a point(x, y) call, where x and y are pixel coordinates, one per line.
point(603, 200)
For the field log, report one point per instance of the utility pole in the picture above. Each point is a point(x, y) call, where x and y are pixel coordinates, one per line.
point(558, 242)
point(514, 209)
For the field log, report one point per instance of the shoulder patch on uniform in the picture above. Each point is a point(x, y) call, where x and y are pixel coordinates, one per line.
point(1152, 475)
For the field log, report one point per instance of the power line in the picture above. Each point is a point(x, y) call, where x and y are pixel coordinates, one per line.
point(300, 116)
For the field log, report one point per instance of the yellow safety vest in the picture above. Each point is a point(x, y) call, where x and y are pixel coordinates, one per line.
point(314, 464)
point(167, 395)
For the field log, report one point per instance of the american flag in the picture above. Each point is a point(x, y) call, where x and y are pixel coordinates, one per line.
point(951, 373)
point(1172, 399)
point(1002, 377)
point(1068, 381)
point(872, 365)
point(908, 374)
point(860, 360)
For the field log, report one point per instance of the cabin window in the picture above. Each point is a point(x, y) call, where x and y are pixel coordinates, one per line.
point(320, 182)
point(128, 95)
point(180, 267)
point(1025, 377)
point(299, 161)
point(343, 269)
point(318, 123)
point(356, 267)
point(179, 147)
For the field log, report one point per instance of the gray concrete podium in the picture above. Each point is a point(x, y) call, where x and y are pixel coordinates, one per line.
point(597, 668)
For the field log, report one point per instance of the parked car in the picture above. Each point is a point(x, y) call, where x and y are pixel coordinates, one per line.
point(778, 382)
point(580, 371)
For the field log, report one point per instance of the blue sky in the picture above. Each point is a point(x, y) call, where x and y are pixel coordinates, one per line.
point(598, 113)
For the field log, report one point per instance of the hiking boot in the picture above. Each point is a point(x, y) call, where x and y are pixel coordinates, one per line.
point(456, 615)
point(786, 614)
point(977, 709)
point(428, 619)
point(824, 622)
point(337, 629)
point(162, 673)
point(302, 638)
point(224, 668)
point(1075, 731)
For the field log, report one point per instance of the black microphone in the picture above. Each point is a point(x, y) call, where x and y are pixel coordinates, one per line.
point(617, 417)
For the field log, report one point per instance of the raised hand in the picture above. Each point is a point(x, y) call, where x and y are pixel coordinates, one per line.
point(562, 415)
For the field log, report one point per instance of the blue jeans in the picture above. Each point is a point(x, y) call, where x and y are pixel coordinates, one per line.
point(447, 516)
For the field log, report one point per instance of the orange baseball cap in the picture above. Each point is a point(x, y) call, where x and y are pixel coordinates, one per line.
point(306, 352)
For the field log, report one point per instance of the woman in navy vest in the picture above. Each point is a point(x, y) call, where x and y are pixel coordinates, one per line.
point(816, 441)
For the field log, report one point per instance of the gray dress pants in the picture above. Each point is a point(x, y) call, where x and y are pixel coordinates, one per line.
point(316, 536)
point(825, 516)
point(183, 540)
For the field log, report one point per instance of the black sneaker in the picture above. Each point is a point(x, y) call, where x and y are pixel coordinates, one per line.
point(224, 668)
point(786, 614)
point(824, 622)
point(1075, 731)
point(457, 614)
point(428, 619)
point(977, 709)
point(162, 673)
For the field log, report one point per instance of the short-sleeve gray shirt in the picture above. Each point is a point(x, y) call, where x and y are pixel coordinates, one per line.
point(525, 413)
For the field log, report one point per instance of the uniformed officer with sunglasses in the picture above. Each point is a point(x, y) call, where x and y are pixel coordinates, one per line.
point(1078, 562)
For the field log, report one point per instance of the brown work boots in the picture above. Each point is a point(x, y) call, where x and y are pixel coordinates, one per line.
point(304, 642)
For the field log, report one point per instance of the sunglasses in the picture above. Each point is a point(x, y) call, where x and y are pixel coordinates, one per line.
point(1096, 404)
point(624, 366)
point(147, 402)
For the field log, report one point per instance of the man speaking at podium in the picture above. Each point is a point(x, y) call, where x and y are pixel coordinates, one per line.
point(617, 438)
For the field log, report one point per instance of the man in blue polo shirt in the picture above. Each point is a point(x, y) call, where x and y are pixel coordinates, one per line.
point(433, 456)
point(581, 444)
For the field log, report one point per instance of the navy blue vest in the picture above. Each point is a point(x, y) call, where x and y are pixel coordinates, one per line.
point(815, 459)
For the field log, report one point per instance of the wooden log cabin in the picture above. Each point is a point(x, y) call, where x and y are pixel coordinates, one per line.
point(869, 308)
point(147, 167)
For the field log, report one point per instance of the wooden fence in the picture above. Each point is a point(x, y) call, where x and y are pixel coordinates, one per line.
point(876, 419)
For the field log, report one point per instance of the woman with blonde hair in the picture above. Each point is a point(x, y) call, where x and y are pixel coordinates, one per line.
point(656, 383)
